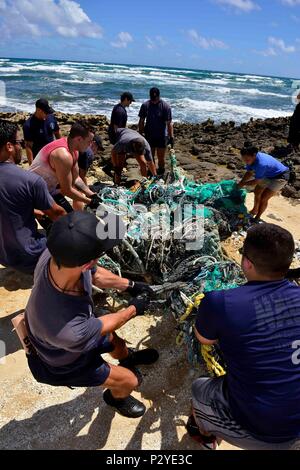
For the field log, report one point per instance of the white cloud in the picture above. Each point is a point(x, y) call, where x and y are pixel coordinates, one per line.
point(240, 5)
point(291, 3)
point(46, 18)
point(205, 43)
point(123, 39)
point(156, 42)
point(280, 44)
point(276, 47)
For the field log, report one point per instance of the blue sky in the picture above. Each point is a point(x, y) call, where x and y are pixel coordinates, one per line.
point(255, 36)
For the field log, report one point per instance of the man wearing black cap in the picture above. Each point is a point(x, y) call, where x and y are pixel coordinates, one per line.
point(159, 128)
point(86, 158)
point(40, 129)
point(60, 319)
point(119, 116)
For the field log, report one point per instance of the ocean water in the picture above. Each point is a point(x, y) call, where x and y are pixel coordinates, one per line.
point(194, 95)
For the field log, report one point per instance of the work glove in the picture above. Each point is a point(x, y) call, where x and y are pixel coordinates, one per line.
point(171, 142)
point(95, 201)
point(141, 303)
point(138, 288)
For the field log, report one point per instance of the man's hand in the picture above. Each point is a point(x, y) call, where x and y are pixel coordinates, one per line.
point(140, 303)
point(171, 142)
point(95, 202)
point(138, 288)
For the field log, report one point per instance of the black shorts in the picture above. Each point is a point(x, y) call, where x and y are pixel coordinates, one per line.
point(157, 142)
point(62, 202)
point(93, 374)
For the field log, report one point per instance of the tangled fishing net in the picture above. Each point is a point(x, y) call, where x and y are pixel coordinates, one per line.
point(163, 246)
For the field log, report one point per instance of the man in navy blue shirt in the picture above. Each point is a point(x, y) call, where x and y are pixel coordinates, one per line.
point(22, 196)
point(119, 116)
point(40, 129)
point(85, 159)
point(256, 404)
point(270, 177)
point(158, 128)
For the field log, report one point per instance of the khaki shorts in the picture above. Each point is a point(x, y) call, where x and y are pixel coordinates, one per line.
point(274, 185)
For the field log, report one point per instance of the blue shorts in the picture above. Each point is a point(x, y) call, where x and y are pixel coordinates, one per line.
point(93, 374)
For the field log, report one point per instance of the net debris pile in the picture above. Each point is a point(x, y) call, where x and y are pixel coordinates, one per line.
point(174, 231)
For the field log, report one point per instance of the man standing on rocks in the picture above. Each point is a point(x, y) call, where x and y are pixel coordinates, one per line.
point(85, 159)
point(40, 129)
point(60, 316)
point(119, 116)
point(158, 129)
point(271, 176)
point(294, 134)
point(57, 163)
point(22, 195)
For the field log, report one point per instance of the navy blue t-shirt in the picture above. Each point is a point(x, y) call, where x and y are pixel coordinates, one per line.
point(118, 118)
point(156, 115)
point(20, 193)
point(85, 159)
point(40, 132)
point(258, 328)
point(62, 328)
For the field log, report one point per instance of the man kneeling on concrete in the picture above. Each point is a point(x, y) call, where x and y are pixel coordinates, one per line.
point(60, 319)
point(130, 142)
point(256, 405)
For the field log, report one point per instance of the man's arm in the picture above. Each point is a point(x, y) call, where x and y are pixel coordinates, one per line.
point(115, 321)
point(152, 167)
point(203, 340)
point(245, 179)
point(58, 134)
point(55, 212)
point(79, 183)
point(170, 128)
point(142, 125)
point(29, 153)
point(63, 164)
point(104, 279)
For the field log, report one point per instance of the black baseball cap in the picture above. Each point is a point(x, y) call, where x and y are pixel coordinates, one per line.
point(98, 141)
point(43, 104)
point(80, 237)
point(154, 93)
point(127, 95)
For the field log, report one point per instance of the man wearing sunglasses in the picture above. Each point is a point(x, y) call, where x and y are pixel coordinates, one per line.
point(21, 193)
point(256, 404)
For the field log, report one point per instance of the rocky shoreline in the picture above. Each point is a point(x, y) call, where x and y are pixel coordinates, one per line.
point(208, 151)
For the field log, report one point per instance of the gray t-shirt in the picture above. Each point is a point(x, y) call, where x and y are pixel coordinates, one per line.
point(124, 139)
point(62, 328)
point(21, 244)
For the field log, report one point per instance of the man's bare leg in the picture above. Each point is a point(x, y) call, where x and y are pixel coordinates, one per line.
point(264, 201)
point(258, 193)
point(161, 156)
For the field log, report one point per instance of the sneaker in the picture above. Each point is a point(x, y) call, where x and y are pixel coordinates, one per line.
point(208, 442)
point(144, 357)
point(129, 407)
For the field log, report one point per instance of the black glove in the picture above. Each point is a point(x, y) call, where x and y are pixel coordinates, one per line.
point(171, 142)
point(140, 303)
point(138, 288)
point(95, 201)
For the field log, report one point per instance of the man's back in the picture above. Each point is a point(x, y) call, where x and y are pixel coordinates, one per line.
point(258, 326)
point(156, 115)
point(20, 193)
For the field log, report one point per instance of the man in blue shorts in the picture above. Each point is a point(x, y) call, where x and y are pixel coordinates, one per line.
point(40, 129)
point(270, 177)
point(62, 327)
point(256, 404)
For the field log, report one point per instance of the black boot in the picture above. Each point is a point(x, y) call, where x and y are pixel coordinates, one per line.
point(129, 407)
point(144, 357)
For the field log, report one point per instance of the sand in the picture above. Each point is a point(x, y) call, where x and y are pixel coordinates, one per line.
point(35, 416)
